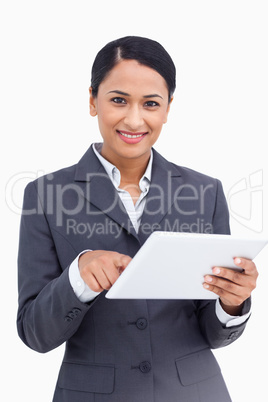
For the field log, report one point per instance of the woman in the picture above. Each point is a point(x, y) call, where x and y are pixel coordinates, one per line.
point(82, 225)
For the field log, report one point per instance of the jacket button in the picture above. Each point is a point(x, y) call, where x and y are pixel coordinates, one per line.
point(145, 367)
point(72, 314)
point(141, 323)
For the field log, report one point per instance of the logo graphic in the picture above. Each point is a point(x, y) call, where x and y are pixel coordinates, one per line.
point(245, 199)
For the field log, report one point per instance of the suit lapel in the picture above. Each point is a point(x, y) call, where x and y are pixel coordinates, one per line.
point(98, 189)
point(165, 179)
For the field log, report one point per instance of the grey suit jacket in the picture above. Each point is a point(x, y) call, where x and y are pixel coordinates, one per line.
point(118, 350)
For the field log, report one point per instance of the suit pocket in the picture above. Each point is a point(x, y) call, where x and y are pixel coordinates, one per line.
point(197, 367)
point(87, 378)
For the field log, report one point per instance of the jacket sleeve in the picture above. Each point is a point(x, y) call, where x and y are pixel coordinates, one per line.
point(49, 313)
point(217, 334)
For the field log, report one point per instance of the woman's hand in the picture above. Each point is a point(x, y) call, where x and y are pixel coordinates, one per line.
point(232, 286)
point(100, 269)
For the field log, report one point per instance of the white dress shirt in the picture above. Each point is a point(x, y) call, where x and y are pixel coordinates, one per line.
point(81, 289)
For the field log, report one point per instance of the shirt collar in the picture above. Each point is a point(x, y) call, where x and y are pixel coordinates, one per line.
point(114, 173)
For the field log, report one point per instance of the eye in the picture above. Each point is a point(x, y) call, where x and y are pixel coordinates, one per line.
point(119, 101)
point(151, 104)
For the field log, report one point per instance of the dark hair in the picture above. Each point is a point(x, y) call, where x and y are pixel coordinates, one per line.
point(145, 51)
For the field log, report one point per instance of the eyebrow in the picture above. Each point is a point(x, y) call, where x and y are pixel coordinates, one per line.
point(126, 94)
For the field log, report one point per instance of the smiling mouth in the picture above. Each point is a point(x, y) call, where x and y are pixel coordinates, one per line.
point(130, 135)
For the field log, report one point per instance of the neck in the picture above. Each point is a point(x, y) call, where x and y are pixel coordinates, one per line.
point(131, 169)
point(132, 174)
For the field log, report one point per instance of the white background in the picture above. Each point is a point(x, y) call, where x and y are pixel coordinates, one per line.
point(217, 125)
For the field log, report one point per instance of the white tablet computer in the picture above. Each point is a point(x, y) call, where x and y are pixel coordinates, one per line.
point(172, 265)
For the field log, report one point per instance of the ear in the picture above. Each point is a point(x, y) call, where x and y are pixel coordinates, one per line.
point(92, 104)
point(168, 109)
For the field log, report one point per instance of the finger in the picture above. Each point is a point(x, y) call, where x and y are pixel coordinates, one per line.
point(230, 275)
point(100, 274)
point(123, 262)
point(101, 278)
point(100, 269)
point(231, 291)
point(112, 274)
point(225, 296)
point(93, 284)
point(111, 270)
point(225, 285)
point(247, 265)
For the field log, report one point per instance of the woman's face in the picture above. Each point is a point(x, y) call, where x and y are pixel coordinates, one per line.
point(132, 106)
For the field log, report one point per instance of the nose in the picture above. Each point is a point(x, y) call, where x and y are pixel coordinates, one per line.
point(133, 118)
